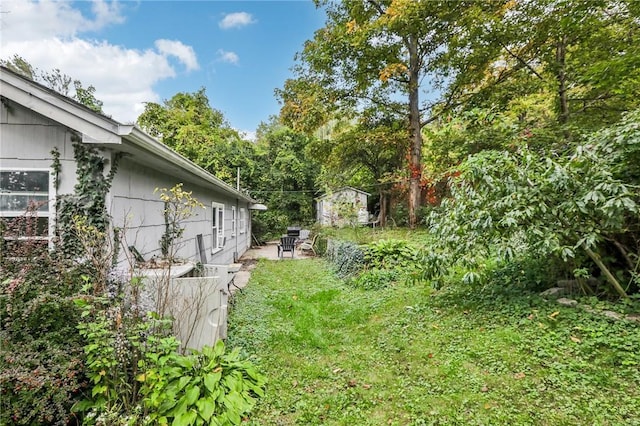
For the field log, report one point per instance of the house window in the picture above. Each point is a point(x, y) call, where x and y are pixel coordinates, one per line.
point(243, 220)
point(218, 226)
point(233, 221)
point(25, 205)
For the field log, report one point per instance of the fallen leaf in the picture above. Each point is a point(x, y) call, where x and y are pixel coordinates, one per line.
point(352, 383)
point(294, 297)
point(484, 389)
point(530, 316)
point(575, 339)
point(519, 376)
point(430, 355)
point(337, 370)
point(554, 315)
point(435, 326)
point(294, 384)
point(366, 386)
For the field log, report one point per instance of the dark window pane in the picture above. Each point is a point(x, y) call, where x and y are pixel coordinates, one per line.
point(24, 181)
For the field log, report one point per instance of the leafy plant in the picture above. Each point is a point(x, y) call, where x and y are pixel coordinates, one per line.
point(179, 205)
point(347, 257)
point(375, 279)
point(202, 388)
point(506, 203)
point(41, 363)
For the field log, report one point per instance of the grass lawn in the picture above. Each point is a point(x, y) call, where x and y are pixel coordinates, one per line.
point(411, 355)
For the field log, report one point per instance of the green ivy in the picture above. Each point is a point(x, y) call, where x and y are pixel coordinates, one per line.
point(88, 198)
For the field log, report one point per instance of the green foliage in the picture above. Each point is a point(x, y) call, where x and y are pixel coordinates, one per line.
point(178, 206)
point(190, 126)
point(55, 80)
point(88, 198)
point(375, 279)
point(137, 375)
point(118, 341)
point(41, 364)
point(410, 355)
point(347, 257)
point(390, 253)
point(205, 387)
point(504, 203)
point(284, 180)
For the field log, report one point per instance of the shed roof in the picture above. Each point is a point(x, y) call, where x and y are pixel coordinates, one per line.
point(344, 188)
point(99, 130)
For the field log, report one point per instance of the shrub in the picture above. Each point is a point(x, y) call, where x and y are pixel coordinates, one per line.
point(346, 257)
point(41, 365)
point(138, 376)
point(205, 387)
point(375, 279)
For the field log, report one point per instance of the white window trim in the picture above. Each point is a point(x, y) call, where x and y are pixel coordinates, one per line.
point(217, 232)
point(233, 221)
point(243, 220)
point(51, 194)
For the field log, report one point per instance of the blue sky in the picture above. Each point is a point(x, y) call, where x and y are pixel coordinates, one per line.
point(139, 51)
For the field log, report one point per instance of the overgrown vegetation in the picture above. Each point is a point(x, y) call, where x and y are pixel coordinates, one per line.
point(408, 354)
point(80, 345)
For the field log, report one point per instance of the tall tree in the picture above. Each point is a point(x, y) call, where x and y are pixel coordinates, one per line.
point(285, 178)
point(584, 55)
point(56, 80)
point(189, 125)
point(374, 53)
point(366, 153)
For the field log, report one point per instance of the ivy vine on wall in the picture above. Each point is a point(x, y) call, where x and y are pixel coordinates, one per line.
point(88, 198)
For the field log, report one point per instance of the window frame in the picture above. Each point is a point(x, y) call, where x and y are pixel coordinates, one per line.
point(49, 213)
point(243, 220)
point(233, 221)
point(217, 227)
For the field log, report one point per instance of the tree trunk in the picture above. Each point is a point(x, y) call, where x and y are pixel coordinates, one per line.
point(384, 203)
point(415, 154)
point(608, 275)
point(561, 75)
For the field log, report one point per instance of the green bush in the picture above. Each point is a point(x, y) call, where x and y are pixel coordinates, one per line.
point(42, 369)
point(202, 388)
point(138, 376)
point(347, 257)
point(375, 279)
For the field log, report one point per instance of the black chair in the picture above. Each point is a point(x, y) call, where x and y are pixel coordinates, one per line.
point(287, 243)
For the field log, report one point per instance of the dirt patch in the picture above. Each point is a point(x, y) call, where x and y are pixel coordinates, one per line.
point(248, 264)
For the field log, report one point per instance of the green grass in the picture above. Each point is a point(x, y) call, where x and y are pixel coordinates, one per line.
point(410, 355)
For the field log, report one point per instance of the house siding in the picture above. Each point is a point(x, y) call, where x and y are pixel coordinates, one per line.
point(136, 206)
point(26, 141)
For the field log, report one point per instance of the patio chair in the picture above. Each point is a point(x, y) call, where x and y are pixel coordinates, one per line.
point(309, 245)
point(287, 243)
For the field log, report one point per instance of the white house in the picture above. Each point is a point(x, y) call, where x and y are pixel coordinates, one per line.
point(342, 206)
point(35, 120)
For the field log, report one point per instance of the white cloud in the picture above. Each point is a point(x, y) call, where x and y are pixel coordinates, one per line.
point(248, 135)
point(236, 20)
point(46, 34)
point(24, 20)
point(184, 53)
point(229, 57)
